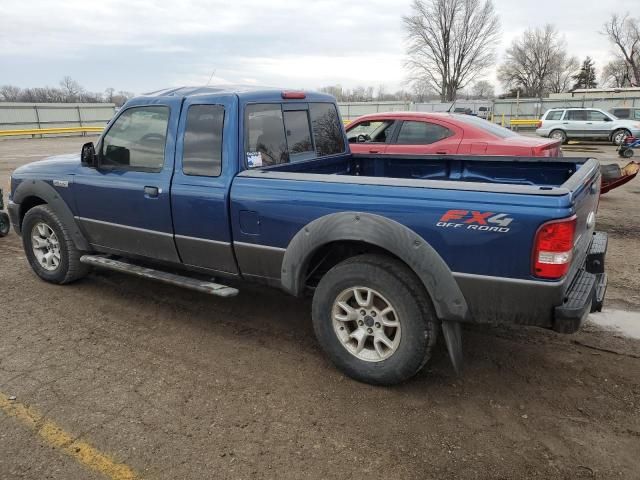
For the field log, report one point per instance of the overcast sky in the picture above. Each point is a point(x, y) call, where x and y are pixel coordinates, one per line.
point(142, 45)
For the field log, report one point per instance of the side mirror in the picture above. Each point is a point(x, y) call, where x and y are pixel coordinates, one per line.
point(88, 157)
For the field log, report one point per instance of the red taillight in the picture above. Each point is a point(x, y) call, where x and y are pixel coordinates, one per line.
point(553, 248)
point(539, 124)
point(291, 95)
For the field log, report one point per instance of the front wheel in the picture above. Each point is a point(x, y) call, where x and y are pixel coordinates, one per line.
point(49, 247)
point(374, 319)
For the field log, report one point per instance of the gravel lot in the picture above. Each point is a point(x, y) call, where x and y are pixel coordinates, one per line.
point(179, 385)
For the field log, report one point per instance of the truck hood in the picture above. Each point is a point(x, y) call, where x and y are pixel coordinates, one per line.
point(59, 164)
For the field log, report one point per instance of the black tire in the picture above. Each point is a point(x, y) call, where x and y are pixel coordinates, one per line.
point(69, 269)
point(559, 134)
point(621, 131)
point(626, 153)
point(5, 224)
point(404, 291)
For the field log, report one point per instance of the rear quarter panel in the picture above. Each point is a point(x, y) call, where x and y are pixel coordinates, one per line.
point(467, 244)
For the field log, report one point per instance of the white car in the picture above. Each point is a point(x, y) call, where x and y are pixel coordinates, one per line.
point(585, 123)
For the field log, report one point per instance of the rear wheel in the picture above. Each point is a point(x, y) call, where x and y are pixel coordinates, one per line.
point(49, 248)
point(559, 135)
point(619, 135)
point(374, 319)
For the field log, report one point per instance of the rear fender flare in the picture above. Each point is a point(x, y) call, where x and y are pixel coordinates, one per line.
point(43, 190)
point(404, 243)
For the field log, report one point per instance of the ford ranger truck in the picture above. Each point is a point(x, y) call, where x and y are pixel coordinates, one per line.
point(207, 188)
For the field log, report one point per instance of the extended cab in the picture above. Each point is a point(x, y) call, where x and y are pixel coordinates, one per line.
point(259, 185)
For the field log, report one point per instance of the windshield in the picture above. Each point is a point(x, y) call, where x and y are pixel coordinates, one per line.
point(487, 126)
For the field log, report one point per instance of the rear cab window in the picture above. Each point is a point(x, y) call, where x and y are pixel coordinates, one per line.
point(275, 134)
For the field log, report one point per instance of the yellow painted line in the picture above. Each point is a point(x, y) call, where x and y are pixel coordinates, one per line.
point(50, 131)
point(55, 436)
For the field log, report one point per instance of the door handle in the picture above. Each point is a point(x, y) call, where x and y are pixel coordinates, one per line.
point(442, 152)
point(151, 192)
point(374, 151)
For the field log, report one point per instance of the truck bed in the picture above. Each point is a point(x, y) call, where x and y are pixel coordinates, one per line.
point(420, 192)
point(525, 171)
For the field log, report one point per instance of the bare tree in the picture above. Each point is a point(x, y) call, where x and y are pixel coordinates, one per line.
point(9, 93)
point(71, 89)
point(562, 71)
point(531, 60)
point(108, 94)
point(624, 32)
point(483, 89)
point(451, 42)
point(616, 73)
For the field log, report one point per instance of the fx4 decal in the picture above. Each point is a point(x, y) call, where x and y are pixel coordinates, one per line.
point(473, 220)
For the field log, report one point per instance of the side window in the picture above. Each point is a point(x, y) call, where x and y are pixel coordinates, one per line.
point(136, 140)
point(327, 130)
point(595, 116)
point(621, 113)
point(421, 133)
point(265, 141)
point(298, 134)
point(375, 132)
point(202, 153)
point(577, 115)
point(636, 114)
point(555, 115)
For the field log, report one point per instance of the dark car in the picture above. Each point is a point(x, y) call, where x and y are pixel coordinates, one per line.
point(626, 113)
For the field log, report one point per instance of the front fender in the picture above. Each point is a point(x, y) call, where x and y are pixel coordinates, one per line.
point(447, 298)
point(44, 191)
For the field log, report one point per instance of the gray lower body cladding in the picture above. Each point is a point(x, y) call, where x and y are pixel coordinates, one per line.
point(510, 300)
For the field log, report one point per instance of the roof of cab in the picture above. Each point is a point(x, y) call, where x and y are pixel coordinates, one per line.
point(242, 91)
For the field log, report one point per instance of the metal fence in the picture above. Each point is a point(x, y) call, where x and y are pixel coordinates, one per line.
point(510, 108)
point(21, 116)
point(353, 110)
point(503, 110)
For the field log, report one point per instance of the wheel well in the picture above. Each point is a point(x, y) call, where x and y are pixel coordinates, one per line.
point(331, 254)
point(621, 129)
point(27, 204)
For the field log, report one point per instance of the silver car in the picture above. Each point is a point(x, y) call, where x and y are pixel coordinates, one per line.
point(585, 123)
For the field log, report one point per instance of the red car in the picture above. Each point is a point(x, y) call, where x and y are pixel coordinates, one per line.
point(440, 134)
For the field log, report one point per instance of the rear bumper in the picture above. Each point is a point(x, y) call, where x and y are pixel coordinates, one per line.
point(14, 215)
point(560, 305)
point(587, 290)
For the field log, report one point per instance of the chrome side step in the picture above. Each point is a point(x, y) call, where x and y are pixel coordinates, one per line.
point(166, 277)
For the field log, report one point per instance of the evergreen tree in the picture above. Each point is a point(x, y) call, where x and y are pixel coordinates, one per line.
point(586, 77)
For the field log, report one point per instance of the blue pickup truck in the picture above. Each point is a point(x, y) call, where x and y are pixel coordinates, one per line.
point(207, 188)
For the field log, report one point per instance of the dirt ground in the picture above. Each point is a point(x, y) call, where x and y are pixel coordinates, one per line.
point(180, 385)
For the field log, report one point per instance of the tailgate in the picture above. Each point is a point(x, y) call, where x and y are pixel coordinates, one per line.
point(584, 186)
